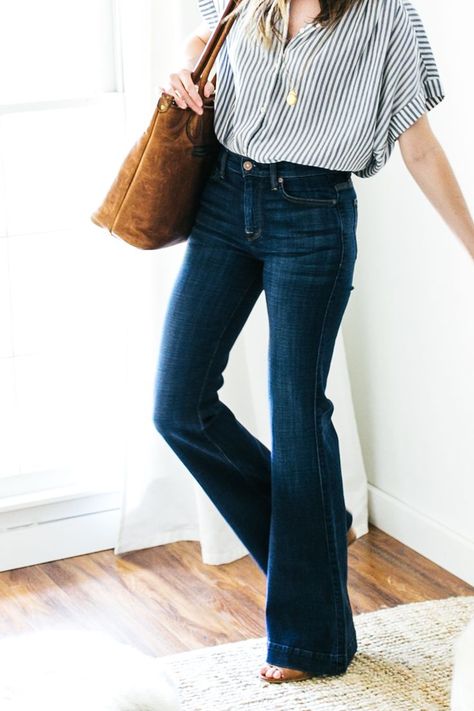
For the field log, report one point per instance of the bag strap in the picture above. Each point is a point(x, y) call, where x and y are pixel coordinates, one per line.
point(209, 53)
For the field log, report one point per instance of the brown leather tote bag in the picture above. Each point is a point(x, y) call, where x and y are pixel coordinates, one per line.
point(153, 201)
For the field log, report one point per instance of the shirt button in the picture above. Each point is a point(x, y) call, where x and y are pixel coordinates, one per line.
point(248, 164)
point(262, 109)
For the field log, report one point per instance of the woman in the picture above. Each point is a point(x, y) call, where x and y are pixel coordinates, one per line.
point(307, 93)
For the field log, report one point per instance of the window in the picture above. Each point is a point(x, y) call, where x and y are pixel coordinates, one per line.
point(62, 340)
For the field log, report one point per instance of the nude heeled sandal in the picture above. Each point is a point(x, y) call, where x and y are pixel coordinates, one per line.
point(273, 680)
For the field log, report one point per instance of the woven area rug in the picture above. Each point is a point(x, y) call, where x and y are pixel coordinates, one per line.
point(403, 663)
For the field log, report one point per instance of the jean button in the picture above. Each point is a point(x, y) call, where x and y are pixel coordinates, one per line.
point(248, 165)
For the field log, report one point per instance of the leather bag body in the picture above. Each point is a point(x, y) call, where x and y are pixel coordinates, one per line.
point(154, 198)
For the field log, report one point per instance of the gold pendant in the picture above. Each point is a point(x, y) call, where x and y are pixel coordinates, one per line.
point(292, 98)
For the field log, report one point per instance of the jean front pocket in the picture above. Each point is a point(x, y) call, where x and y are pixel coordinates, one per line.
point(304, 192)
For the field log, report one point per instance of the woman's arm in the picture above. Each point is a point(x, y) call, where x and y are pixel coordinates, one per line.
point(425, 159)
point(181, 79)
point(195, 43)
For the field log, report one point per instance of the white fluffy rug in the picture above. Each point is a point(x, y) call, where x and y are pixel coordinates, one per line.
point(404, 663)
point(75, 670)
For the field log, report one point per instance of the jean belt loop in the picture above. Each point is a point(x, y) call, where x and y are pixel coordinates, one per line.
point(223, 162)
point(273, 176)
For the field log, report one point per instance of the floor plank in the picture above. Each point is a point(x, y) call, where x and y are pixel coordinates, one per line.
point(164, 599)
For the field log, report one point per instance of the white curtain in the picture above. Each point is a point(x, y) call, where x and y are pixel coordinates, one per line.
point(162, 502)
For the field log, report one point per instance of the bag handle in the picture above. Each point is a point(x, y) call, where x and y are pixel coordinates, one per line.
point(209, 53)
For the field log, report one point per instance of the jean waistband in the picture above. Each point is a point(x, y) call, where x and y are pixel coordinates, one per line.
point(248, 166)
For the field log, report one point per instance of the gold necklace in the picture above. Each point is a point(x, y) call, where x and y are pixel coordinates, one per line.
point(292, 96)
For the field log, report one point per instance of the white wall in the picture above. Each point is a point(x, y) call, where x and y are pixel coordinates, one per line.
point(409, 329)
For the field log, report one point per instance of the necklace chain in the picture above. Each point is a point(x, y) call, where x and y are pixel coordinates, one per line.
point(292, 96)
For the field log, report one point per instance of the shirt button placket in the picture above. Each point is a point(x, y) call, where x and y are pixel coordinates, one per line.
point(264, 107)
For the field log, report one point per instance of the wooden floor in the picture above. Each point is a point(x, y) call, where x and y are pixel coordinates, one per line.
point(164, 599)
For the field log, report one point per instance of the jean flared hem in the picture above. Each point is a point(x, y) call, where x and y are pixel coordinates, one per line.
point(305, 660)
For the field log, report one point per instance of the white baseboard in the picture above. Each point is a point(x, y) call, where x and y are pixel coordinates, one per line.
point(426, 536)
point(49, 539)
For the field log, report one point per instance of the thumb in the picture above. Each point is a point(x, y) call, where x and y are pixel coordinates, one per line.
point(209, 89)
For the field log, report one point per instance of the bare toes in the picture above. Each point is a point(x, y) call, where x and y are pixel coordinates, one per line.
point(271, 671)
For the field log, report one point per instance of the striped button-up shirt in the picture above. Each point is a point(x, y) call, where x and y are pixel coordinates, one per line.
point(359, 86)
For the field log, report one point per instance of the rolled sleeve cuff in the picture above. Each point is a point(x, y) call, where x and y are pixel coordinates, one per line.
point(431, 94)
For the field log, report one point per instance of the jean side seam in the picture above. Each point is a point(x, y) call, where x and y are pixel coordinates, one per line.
point(316, 429)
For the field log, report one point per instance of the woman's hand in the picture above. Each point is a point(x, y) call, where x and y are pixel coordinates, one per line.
point(185, 92)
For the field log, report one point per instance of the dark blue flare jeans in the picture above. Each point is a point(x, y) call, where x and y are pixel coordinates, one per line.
point(289, 230)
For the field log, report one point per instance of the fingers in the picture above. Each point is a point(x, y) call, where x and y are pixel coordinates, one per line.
point(185, 92)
